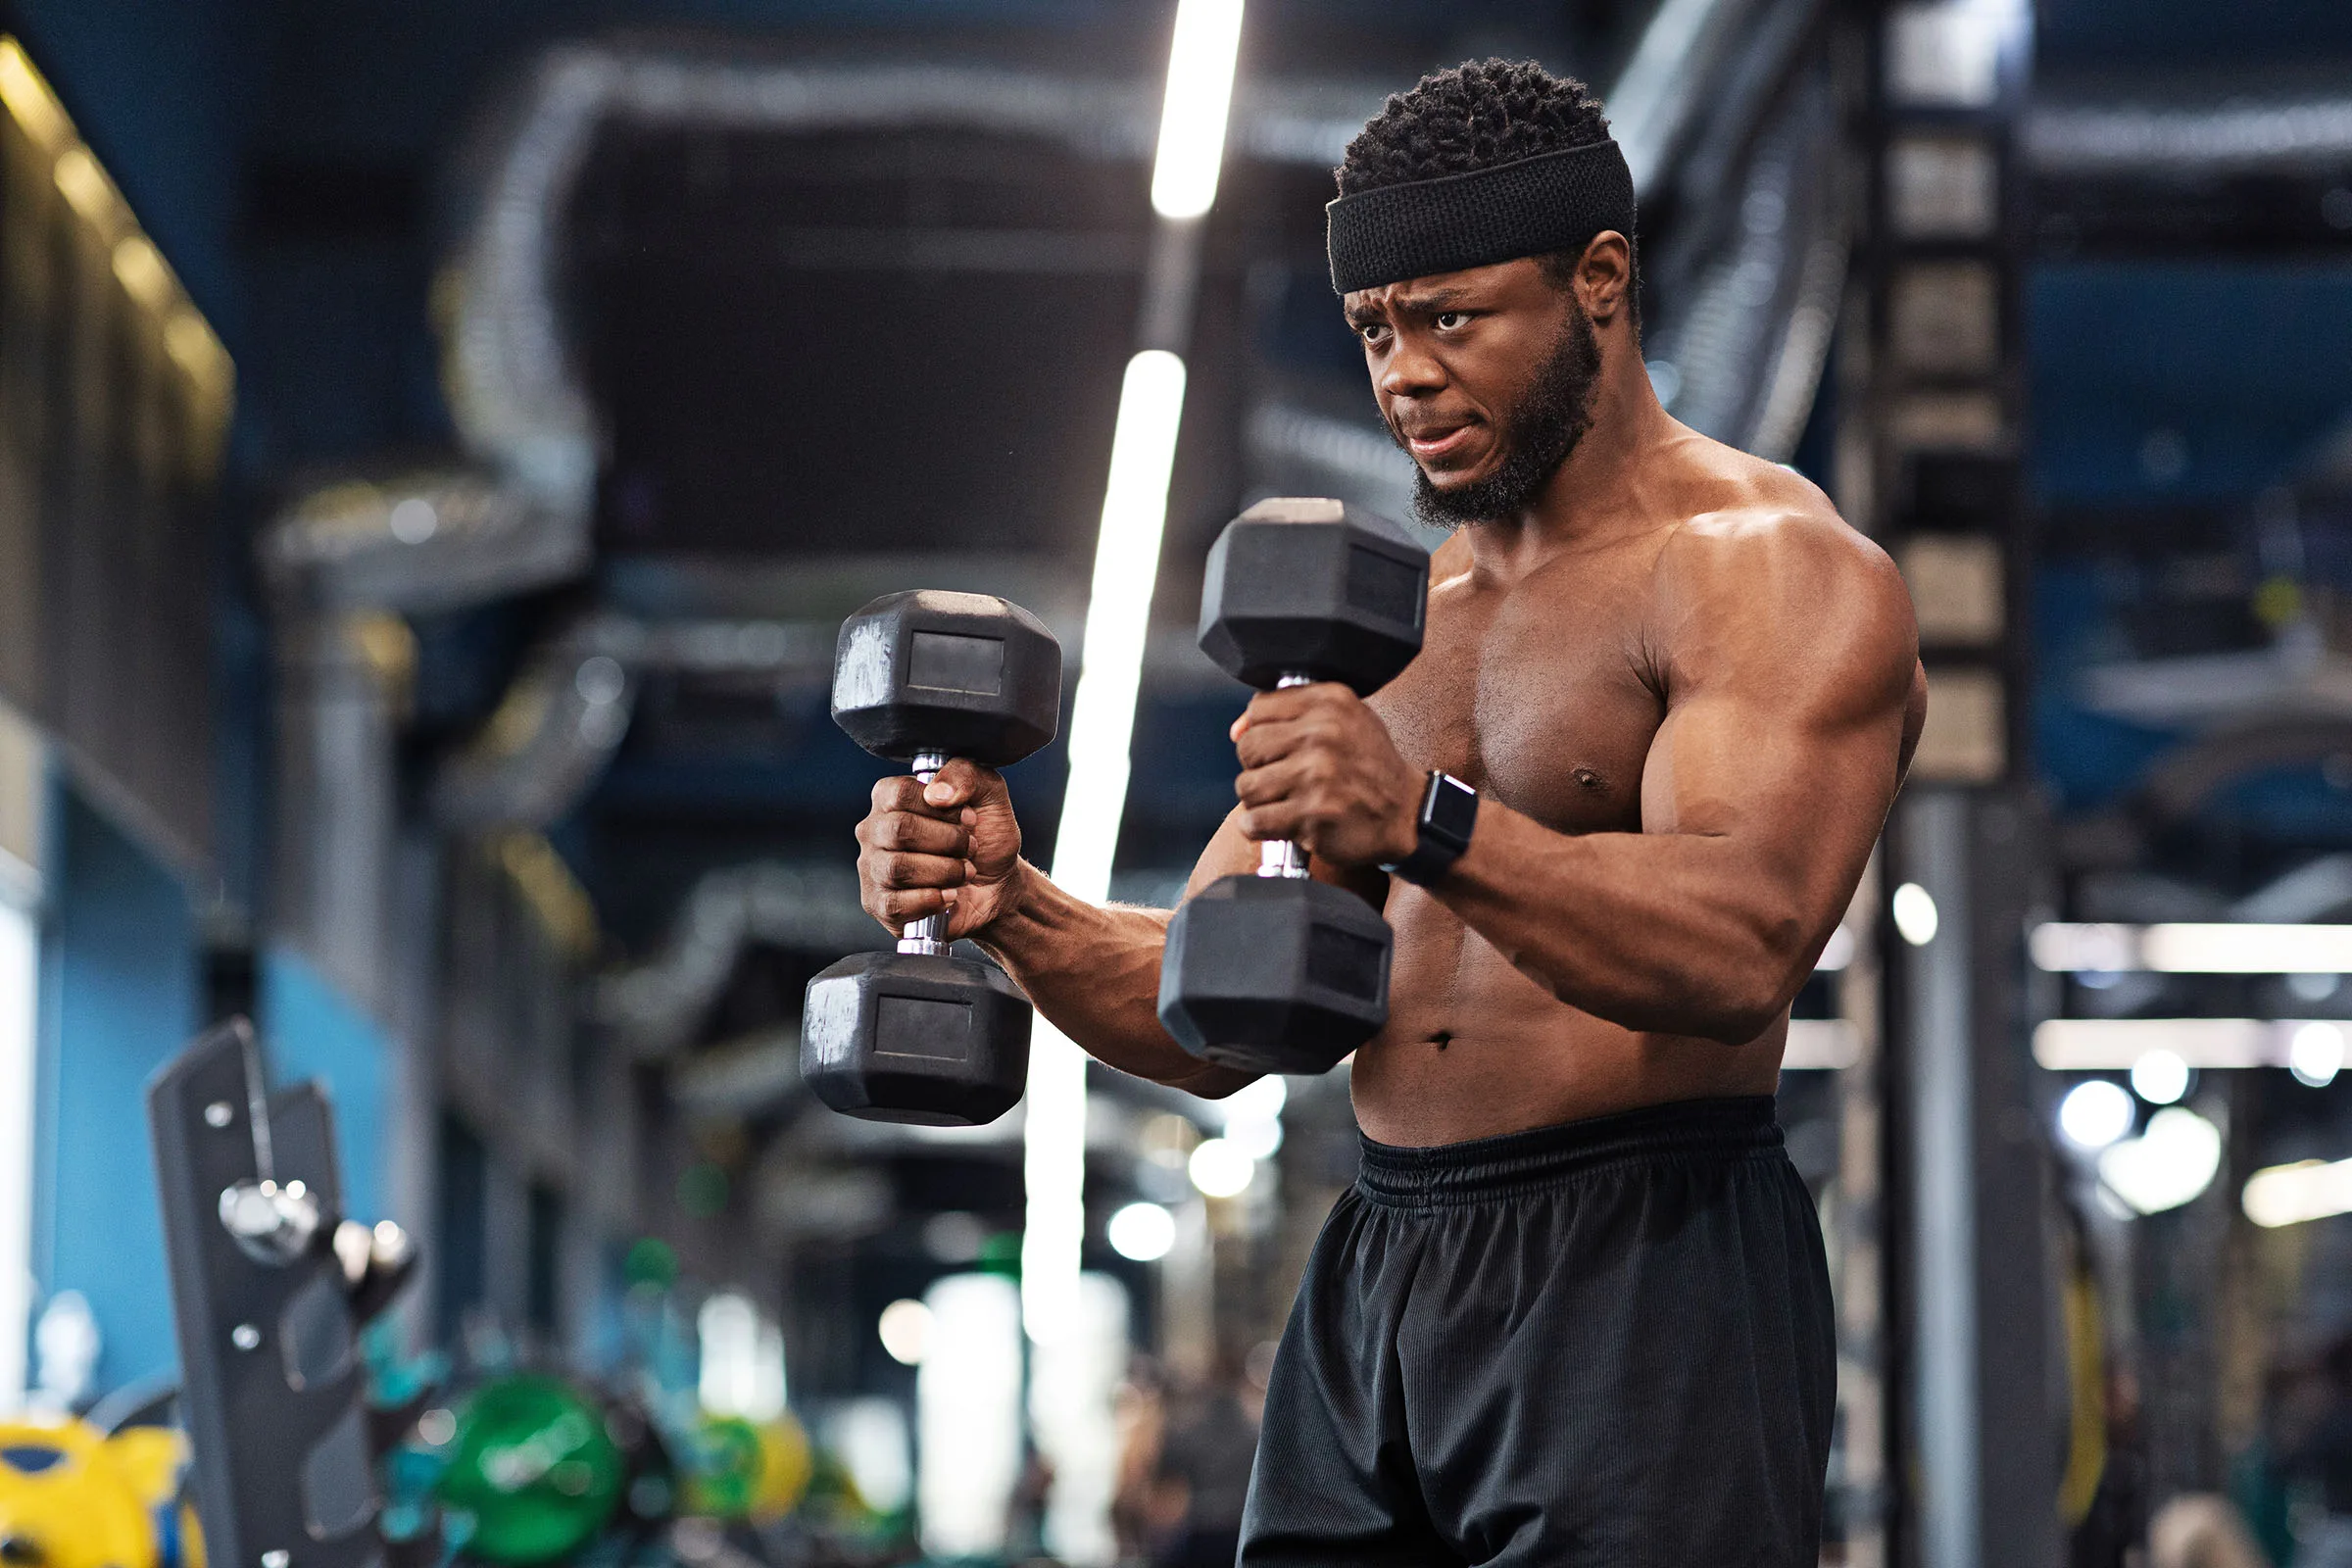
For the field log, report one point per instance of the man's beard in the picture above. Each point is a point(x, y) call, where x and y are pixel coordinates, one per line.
point(1536, 435)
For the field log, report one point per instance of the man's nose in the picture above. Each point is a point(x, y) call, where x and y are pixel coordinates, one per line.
point(1411, 372)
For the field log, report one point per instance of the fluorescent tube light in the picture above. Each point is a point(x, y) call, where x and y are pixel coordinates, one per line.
point(2207, 948)
point(1191, 118)
point(2288, 1195)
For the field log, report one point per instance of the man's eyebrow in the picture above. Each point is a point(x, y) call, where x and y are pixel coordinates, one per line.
point(1423, 303)
point(1434, 299)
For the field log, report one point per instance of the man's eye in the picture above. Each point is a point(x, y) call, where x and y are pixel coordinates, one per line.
point(1448, 320)
point(1372, 331)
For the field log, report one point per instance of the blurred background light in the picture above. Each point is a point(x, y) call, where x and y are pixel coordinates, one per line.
point(968, 1427)
point(2094, 1113)
point(2195, 947)
point(1193, 114)
point(1253, 1116)
point(1914, 911)
point(2317, 1054)
point(1221, 1168)
point(2160, 1077)
point(1143, 1232)
point(870, 1435)
point(2170, 1165)
point(412, 520)
point(2306, 1190)
point(742, 1358)
point(1135, 510)
point(1110, 661)
point(1073, 1385)
point(2118, 1045)
point(906, 1330)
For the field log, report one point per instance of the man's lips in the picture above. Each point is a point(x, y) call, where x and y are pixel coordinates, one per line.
point(1437, 441)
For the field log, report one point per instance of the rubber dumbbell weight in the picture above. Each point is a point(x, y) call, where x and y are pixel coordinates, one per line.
point(1277, 972)
point(919, 1035)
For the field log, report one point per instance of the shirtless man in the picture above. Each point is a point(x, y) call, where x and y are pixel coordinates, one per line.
point(1575, 1310)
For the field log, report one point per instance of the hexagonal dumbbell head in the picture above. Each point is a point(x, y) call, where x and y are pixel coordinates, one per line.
point(929, 671)
point(1275, 974)
point(1301, 585)
point(910, 1037)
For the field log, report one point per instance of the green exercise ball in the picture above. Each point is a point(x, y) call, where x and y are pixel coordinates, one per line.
point(534, 1467)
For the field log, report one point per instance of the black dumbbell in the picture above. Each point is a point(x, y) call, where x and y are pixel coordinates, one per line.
point(1277, 972)
point(917, 1035)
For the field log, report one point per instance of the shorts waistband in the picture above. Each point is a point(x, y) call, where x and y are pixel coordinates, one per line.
point(1723, 1129)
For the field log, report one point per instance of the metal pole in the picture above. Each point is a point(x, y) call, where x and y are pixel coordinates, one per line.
point(1943, 1208)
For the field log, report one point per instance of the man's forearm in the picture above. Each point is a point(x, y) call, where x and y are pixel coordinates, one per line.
point(1094, 973)
point(1666, 932)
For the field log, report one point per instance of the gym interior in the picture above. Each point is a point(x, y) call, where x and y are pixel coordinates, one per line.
point(441, 445)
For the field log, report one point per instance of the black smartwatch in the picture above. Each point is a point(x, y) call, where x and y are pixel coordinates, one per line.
point(1449, 811)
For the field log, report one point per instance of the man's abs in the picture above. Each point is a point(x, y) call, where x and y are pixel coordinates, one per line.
point(1475, 1049)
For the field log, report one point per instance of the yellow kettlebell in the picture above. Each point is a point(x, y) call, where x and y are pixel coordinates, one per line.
point(785, 1463)
point(68, 1499)
point(156, 1459)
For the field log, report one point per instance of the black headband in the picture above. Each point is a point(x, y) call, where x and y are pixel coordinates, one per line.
point(1552, 201)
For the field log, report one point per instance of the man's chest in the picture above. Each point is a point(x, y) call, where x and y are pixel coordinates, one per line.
point(1540, 701)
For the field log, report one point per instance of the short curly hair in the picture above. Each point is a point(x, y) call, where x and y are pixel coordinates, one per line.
point(1469, 117)
point(1475, 116)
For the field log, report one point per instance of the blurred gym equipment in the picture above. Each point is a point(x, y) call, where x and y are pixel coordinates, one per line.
point(270, 1285)
point(72, 1496)
point(533, 1476)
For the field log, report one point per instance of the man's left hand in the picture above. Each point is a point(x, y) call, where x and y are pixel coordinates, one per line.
point(1320, 769)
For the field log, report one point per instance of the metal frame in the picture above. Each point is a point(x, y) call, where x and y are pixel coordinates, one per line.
point(1931, 452)
point(273, 1389)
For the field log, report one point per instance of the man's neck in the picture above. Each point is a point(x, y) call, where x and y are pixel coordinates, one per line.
point(1590, 497)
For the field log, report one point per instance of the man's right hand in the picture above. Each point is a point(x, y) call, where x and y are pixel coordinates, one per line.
point(953, 844)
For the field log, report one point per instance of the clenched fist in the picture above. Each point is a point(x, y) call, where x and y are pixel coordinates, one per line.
point(1320, 769)
point(953, 844)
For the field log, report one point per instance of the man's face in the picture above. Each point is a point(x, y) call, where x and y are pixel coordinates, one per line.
point(1485, 377)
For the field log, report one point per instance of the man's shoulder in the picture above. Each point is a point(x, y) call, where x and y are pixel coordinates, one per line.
point(1743, 516)
point(1763, 564)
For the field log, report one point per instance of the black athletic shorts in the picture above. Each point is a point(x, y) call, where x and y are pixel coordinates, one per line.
point(1603, 1345)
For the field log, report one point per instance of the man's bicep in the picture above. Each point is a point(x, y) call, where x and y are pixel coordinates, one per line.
point(1730, 761)
point(1789, 740)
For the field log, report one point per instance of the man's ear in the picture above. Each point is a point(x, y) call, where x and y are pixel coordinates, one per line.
point(1604, 276)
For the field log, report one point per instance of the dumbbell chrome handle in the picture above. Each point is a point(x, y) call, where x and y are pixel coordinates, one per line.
point(1280, 857)
point(929, 935)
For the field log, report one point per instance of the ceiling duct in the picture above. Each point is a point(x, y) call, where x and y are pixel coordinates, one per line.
point(563, 719)
point(1746, 262)
point(516, 513)
point(655, 1008)
point(1746, 319)
point(551, 736)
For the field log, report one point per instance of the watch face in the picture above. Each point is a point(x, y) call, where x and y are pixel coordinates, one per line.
point(1450, 812)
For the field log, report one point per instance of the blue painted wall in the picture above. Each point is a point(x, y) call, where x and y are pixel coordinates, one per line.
point(2241, 362)
point(310, 1030)
point(118, 996)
